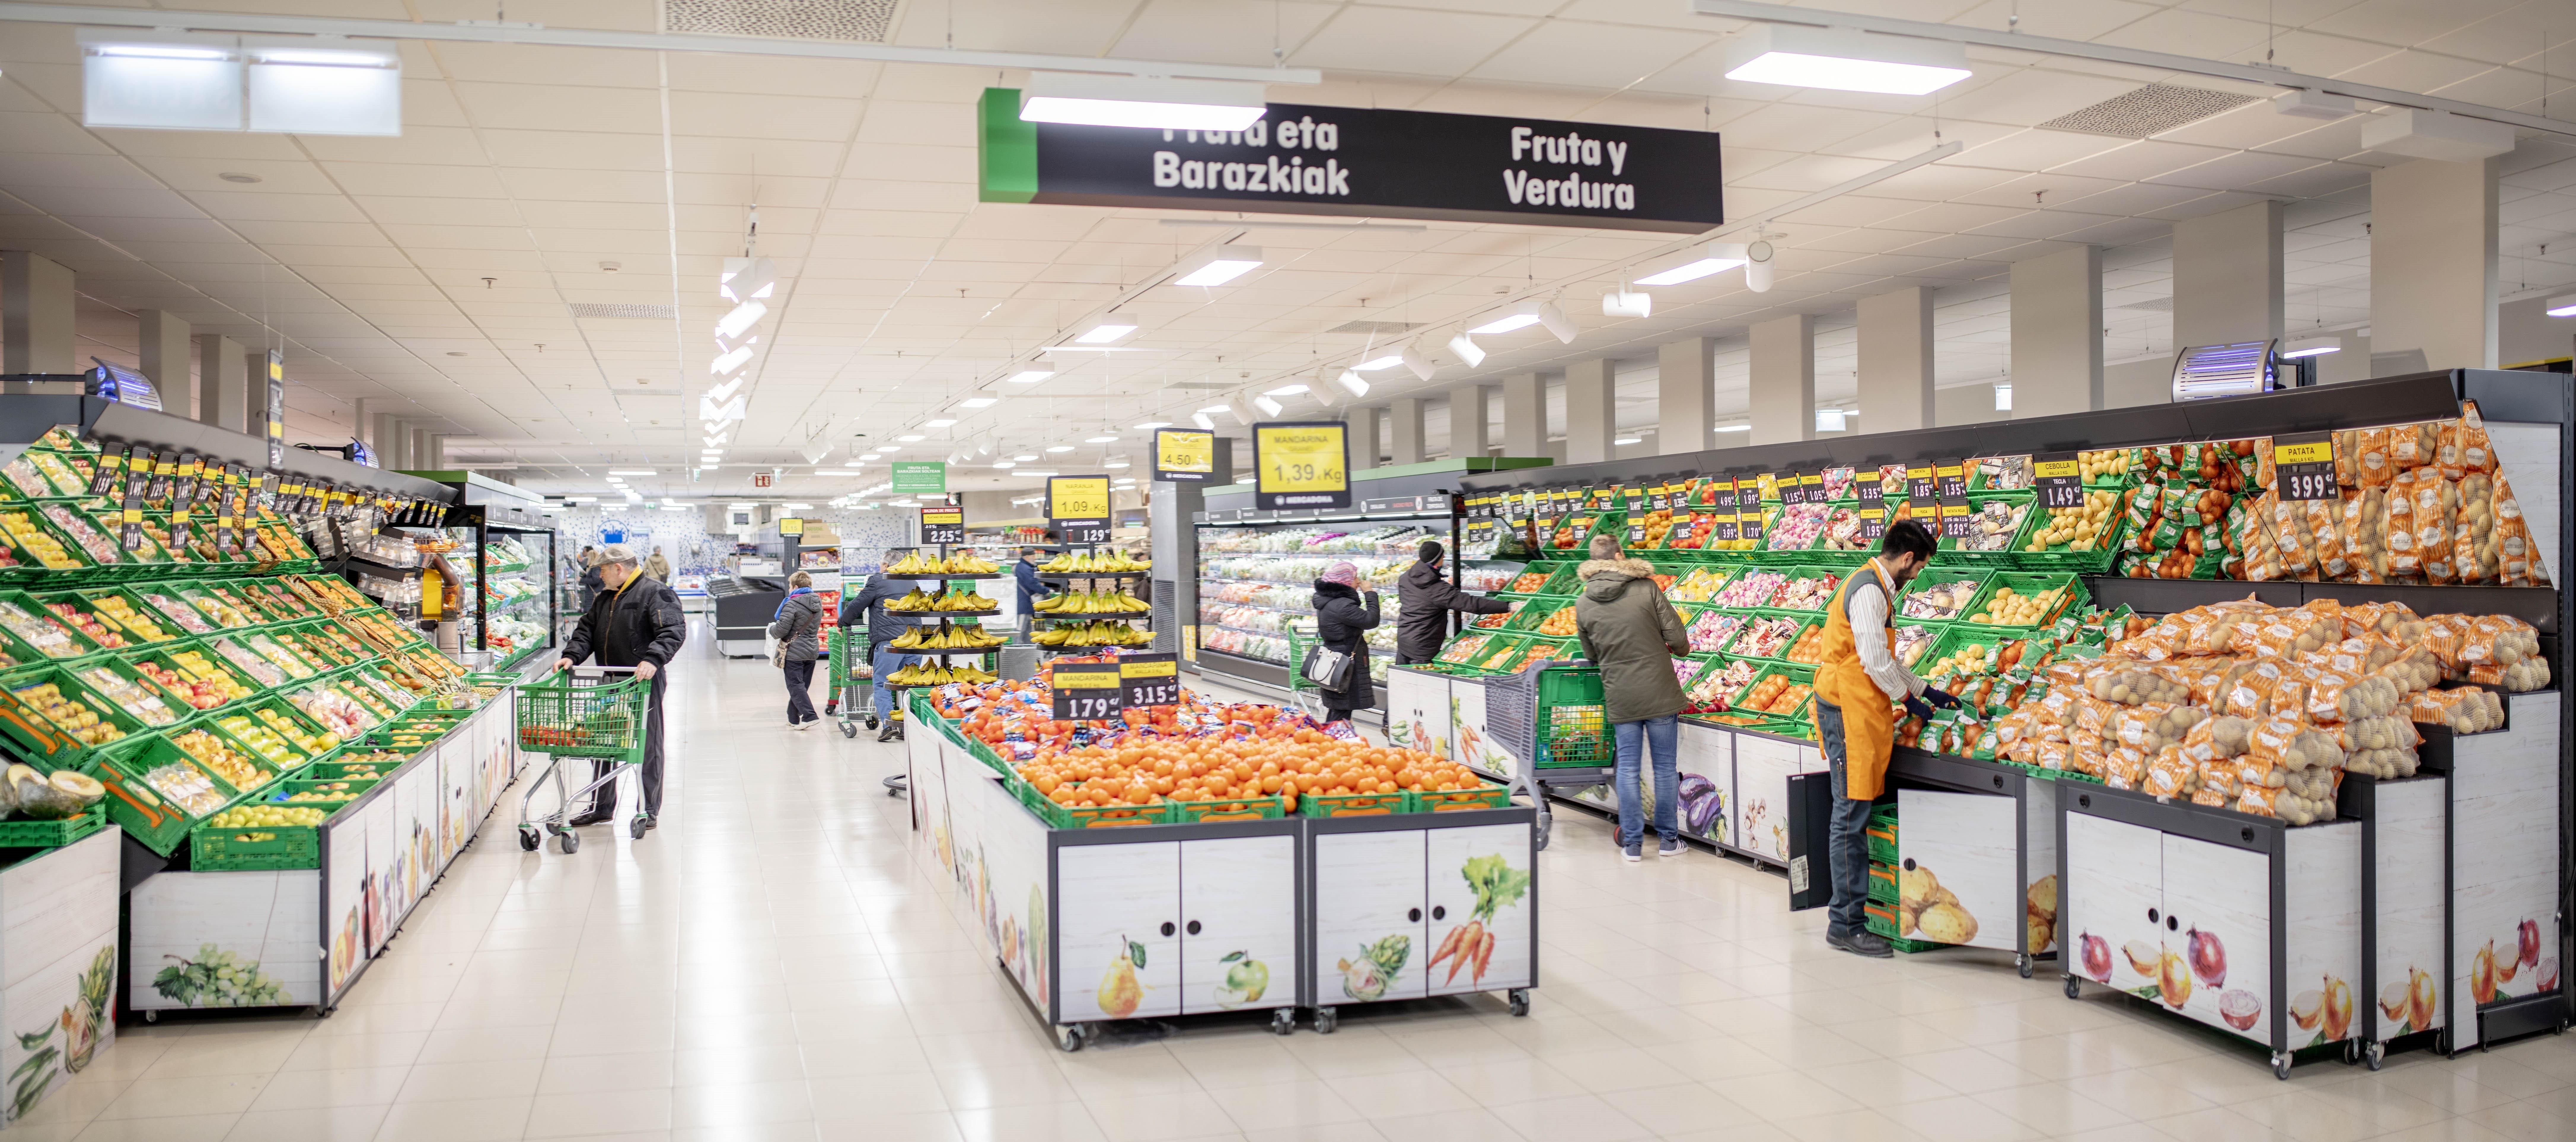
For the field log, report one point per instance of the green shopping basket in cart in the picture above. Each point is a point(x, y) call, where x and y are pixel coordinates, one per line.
point(585, 711)
point(850, 681)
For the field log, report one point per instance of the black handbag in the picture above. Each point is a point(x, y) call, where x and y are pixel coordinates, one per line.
point(1326, 667)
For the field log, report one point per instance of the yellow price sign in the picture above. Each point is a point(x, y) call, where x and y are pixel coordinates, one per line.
point(2052, 469)
point(1184, 454)
point(1078, 498)
point(2317, 452)
point(790, 525)
point(1301, 465)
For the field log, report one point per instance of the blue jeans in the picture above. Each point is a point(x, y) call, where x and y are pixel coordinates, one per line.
point(1846, 833)
point(885, 663)
point(1658, 738)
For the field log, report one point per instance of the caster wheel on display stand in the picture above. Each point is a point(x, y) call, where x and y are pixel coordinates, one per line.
point(1069, 1039)
point(2351, 1051)
point(2074, 990)
point(2374, 1055)
point(529, 839)
point(568, 841)
point(2022, 962)
point(1326, 1019)
point(1518, 997)
point(151, 1016)
point(1283, 1021)
point(2281, 1065)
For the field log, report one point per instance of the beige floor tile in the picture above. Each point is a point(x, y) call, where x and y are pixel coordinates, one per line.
point(1158, 1118)
point(573, 1115)
point(1045, 1122)
point(317, 1124)
point(458, 1120)
point(192, 1095)
point(178, 1128)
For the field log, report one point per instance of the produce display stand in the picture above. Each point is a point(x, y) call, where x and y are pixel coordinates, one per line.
point(1137, 918)
point(1734, 788)
point(1988, 831)
point(58, 960)
point(494, 522)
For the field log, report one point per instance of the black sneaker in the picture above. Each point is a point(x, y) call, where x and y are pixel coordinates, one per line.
point(1861, 944)
point(592, 817)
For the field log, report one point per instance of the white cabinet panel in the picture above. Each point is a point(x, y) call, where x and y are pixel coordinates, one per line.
point(1117, 904)
point(1417, 712)
point(1369, 899)
point(1498, 856)
point(1963, 843)
point(2117, 871)
point(1239, 923)
point(1704, 762)
point(2221, 898)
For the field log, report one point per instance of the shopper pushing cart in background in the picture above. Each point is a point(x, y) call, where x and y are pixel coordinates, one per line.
point(635, 621)
point(884, 626)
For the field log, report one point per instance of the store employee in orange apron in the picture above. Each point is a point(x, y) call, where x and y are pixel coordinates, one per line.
point(1857, 685)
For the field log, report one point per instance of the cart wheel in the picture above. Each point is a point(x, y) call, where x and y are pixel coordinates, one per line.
point(568, 841)
point(849, 729)
point(151, 1016)
point(635, 828)
point(529, 839)
point(1518, 997)
point(1326, 1019)
point(2375, 1054)
point(872, 721)
point(2351, 1052)
point(1283, 1020)
point(2022, 962)
point(2074, 990)
point(1069, 1039)
point(2281, 1065)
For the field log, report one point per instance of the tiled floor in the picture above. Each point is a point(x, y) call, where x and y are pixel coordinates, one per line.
point(778, 962)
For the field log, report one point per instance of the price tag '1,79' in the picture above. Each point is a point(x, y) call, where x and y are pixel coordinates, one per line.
point(1086, 691)
point(2303, 466)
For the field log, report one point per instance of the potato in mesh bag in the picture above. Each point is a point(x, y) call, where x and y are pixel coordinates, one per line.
point(2413, 669)
point(2362, 530)
point(2435, 501)
point(2405, 559)
point(2224, 736)
point(2336, 697)
point(2521, 677)
point(2154, 726)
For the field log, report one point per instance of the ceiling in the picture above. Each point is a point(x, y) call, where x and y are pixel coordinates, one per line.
point(434, 275)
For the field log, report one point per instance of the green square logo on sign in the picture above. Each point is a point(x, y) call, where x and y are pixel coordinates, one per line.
point(921, 477)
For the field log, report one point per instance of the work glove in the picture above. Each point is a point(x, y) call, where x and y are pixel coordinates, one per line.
point(1941, 698)
point(1916, 707)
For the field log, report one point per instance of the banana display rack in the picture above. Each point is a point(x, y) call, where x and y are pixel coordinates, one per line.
point(594, 712)
point(1097, 600)
point(955, 573)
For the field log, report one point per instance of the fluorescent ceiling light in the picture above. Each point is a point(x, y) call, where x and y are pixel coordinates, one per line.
point(1286, 391)
point(1353, 383)
point(798, 507)
point(1844, 59)
point(1735, 428)
point(1100, 439)
point(1060, 448)
point(1151, 425)
point(1467, 350)
point(1037, 473)
point(1201, 419)
point(1005, 463)
point(1269, 406)
point(853, 463)
point(1142, 101)
point(1629, 440)
point(617, 479)
point(630, 471)
point(581, 499)
point(2313, 347)
point(1829, 420)
point(979, 402)
point(1105, 333)
point(1218, 266)
point(1030, 376)
point(2562, 306)
point(1025, 457)
point(743, 279)
point(909, 439)
point(171, 85)
point(1114, 462)
point(160, 51)
point(942, 422)
point(340, 91)
point(1387, 362)
point(1713, 258)
point(1507, 324)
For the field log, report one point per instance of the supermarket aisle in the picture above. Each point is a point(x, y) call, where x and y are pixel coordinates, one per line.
point(777, 963)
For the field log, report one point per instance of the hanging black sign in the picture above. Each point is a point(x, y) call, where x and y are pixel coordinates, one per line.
point(102, 476)
point(1299, 159)
point(1871, 492)
point(1958, 521)
point(1086, 691)
point(1918, 484)
point(131, 535)
point(1953, 478)
point(1873, 519)
point(1148, 680)
point(943, 525)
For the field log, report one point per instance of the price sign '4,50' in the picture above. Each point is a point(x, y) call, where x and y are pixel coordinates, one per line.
point(1086, 691)
point(2303, 466)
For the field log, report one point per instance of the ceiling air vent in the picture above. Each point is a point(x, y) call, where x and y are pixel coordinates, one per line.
point(2150, 110)
point(623, 309)
point(1375, 327)
point(867, 21)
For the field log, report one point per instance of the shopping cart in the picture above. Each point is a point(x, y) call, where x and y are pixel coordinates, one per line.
point(851, 684)
point(588, 712)
point(1303, 693)
point(1550, 717)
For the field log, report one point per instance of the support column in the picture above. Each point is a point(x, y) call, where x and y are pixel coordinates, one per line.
point(2227, 276)
point(1686, 395)
point(384, 438)
point(1895, 344)
point(1467, 413)
point(1782, 379)
point(222, 379)
point(1404, 431)
point(1591, 410)
point(36, 334)
point(1524, 415)
point(255, 395)
point(166, 346)
point(1366, 444)
point(419, 454)
point(437, 455)
point(2433, 263)
point(2057, 333)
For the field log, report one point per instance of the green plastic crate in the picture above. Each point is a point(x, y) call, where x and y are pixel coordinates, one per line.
point(1797, 675)
point(1264, 807)
point(30, 617)
point(1881, 834)
point(1938, 574)
point(2028, 584)
point(1950, 549)
point(1353, 804)
point(38, 736)
point(151, 819)
point(1882, 882)
point(254, 849)
point(280, 792)
point(1538, 611)
point(1881, 920)
point(2107, 546)
point(1562, 582)
point(1485, 796)
point(1090, 816)
point(1963, 635)
point(1805, 622)
point(29, 833)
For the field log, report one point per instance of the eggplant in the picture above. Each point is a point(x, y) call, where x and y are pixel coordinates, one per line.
point(1699, 803)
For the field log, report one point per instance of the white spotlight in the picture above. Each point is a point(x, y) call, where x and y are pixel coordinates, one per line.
point(1624, 303)
point(1354, 383)
point(1757, 266)
point(1269, 406)
point(1467, 350)
point(1418, 360)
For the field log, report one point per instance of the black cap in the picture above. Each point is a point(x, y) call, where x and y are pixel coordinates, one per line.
point(1430, 551)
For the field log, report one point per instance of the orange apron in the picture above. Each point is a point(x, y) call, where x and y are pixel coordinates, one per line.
point(1869, 719)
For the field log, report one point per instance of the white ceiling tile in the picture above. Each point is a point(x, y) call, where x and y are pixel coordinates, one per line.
point(1407, 42)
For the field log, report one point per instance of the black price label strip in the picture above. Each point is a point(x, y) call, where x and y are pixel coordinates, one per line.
point(1086, 691)
point(2303, 466)
point(2059, 478)
point(1953, 478)
point(1149, 680)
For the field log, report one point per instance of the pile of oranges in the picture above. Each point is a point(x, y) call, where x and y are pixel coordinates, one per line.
point(1139, 772)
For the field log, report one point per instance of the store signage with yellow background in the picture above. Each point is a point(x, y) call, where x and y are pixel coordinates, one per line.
point(1301, 464)
point(1184, 455)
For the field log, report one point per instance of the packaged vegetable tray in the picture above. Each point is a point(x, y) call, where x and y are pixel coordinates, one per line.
point(155, 792)
point(29, 633)
point(1998, 519)
point(1941, 593)
point(2027, 585)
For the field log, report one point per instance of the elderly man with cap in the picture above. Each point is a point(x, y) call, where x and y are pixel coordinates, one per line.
point(1423, 600)
point(871, 607)
point(635, 621)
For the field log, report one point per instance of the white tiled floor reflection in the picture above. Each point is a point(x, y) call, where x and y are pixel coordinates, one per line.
point(778, 963)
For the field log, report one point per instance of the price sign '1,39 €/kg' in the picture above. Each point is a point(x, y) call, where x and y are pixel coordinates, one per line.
point(2303, 466)
point(1301, 464)
point(1086, 691)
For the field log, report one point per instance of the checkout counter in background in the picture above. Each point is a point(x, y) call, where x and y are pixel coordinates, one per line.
point(746, 598)
point(743, 608)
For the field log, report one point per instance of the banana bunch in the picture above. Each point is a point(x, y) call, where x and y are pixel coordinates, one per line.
point(1111, 602)
point(964, 599)
point(913, 564)
point(945, 637)
point(918, 600)
point(916, 563)
point(1099, 563)
point(926, 674)
point(964, 564)
point(1092, 634)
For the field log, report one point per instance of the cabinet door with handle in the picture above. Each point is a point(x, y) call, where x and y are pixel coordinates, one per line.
point(1370, 917)
point(1118, 946)
point(1482, 896)
point(1238, 923)
point(2112, 903)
